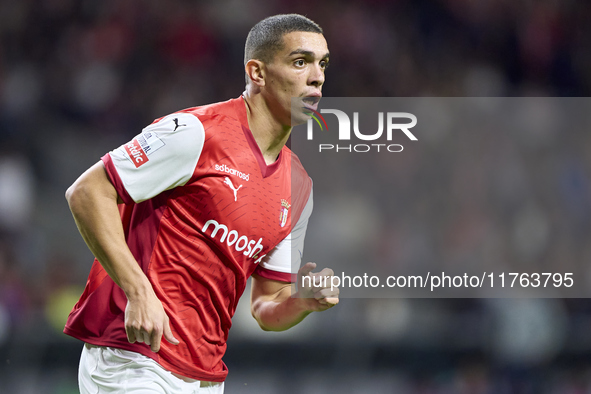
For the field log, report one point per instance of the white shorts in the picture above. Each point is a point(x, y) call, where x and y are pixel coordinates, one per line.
point(110, 370)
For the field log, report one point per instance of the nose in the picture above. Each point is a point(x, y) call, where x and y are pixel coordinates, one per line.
point(316, 78)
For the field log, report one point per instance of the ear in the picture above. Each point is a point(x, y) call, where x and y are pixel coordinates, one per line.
point(255, 69)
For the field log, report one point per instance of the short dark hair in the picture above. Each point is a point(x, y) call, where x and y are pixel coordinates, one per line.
point(266, 37)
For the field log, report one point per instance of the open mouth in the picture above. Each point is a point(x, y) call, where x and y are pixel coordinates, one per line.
point(311, 102)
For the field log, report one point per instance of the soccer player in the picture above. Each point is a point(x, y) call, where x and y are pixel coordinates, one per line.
point(181, 216)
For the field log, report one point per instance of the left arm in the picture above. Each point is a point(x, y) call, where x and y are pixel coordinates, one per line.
point(274, 308)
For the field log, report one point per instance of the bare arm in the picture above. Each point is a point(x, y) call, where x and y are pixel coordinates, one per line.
point(276, 310)
point(93, 202)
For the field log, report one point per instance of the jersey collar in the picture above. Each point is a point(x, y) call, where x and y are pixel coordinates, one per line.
point(266, 170)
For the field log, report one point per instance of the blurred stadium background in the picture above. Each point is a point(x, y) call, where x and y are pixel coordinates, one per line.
point(78, 78)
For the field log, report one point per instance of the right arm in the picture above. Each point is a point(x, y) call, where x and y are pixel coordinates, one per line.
point(93, 202)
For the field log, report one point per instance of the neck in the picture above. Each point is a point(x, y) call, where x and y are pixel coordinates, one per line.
point(269, 134)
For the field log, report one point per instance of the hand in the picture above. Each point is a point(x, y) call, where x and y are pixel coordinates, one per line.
point(318, 287)
point(146, 321)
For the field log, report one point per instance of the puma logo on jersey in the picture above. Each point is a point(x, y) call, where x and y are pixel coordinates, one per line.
point(176, 123)
point(228, 182)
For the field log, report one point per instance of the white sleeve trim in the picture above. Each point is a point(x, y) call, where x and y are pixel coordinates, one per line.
point(162, 157)
point(286, 257)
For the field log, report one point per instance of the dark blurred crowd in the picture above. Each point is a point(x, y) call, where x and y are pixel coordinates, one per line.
point(78, 78)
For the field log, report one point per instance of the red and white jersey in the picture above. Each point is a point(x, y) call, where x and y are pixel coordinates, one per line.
point(202, 211)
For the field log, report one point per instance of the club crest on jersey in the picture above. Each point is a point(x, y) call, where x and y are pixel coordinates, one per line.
point(284, 212)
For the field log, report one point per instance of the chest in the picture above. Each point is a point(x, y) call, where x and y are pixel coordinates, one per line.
point(234, 208)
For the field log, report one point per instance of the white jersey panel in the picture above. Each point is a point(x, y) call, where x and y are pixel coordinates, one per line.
point(162, 157)
point(288, 253)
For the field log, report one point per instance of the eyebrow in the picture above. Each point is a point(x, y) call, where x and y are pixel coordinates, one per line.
point(308, 53)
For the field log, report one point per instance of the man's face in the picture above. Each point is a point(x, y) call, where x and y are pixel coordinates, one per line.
point(297, 70)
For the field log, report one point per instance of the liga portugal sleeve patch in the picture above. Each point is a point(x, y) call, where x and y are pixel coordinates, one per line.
point(141, 147)
point(136, 153)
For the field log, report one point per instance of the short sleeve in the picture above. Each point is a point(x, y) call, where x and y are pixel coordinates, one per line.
point(162, 157)
point(283, 262)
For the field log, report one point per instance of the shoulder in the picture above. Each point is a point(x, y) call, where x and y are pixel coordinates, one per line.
point(301, 184)
point(212, 114)
point(180, 131)
point(299, 175)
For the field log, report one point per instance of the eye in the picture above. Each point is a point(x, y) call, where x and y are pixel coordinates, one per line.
point(324, 64)
point(300, 63)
